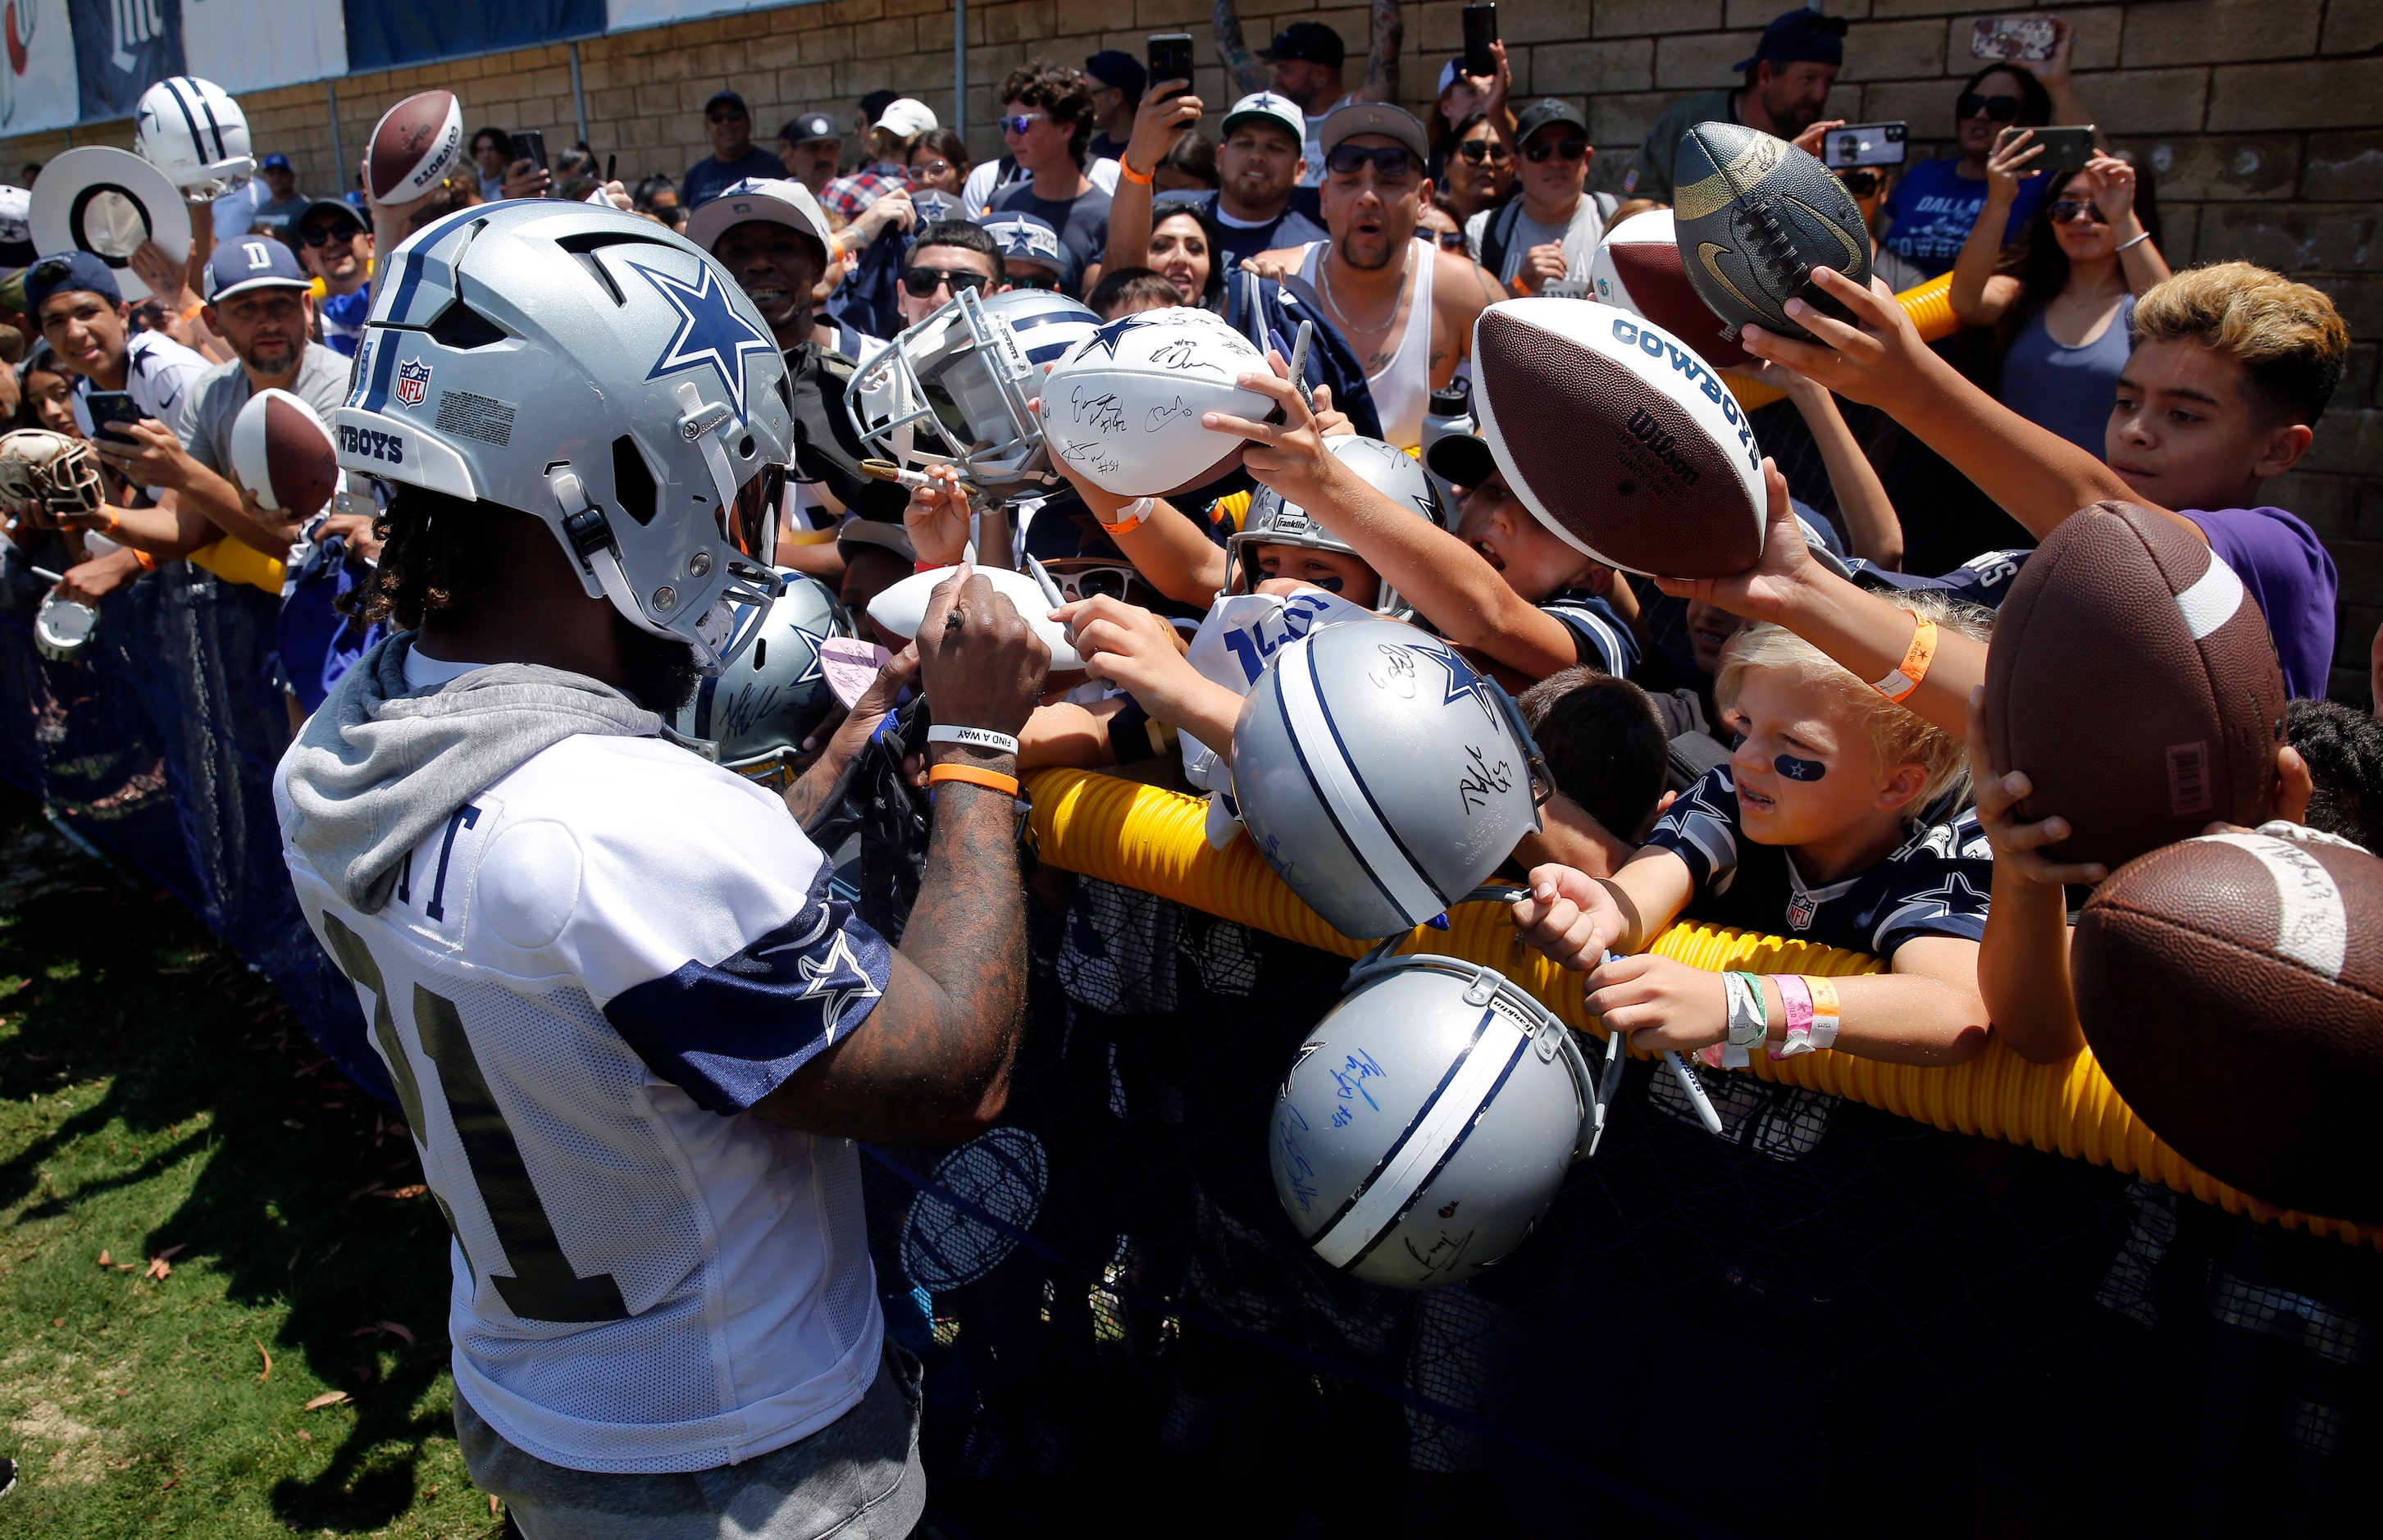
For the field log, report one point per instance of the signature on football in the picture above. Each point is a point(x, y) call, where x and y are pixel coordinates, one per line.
point(1101, 413)
point(1092, 457)
point(1183, 354)
point(1162, 415)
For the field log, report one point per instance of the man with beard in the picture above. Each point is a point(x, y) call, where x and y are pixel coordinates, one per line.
point(636, 1035)
point(1258, 203)
point(1304, 64)
point(1407, 308)
point(1786, 90)
point(772, 239)
point(336, 247)
point(257, 301)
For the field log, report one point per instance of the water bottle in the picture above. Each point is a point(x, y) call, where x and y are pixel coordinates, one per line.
point(1450, 413)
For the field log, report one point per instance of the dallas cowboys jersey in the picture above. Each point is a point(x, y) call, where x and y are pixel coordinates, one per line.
point(1598, 630)
point(1935, 884)
point(1238, 638)
point(581, 978)
point(160, 375)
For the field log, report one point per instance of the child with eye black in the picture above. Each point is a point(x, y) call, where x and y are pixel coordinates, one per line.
point(1839, 819)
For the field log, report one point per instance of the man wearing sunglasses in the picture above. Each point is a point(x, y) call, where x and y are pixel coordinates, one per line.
point(1046, 123)
point(1552, 229)
point(1786, 88)
point(337, 251)
point(733, 159)
point(1405, 308)
point(951, 255)
point(771, 236)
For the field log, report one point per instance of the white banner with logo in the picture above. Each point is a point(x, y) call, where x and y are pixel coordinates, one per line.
point(37, 76)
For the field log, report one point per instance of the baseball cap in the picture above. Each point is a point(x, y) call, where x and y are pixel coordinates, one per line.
point(1311, 41)
point(809, 127)
point(1799, 37)
point(1268, 107)
point(774, 199)
point(1374, 117)
point(1547, 110)
point(857, 533)
point(1024, 237)
point(338, 207)
point(934, 207)
point(1115, 66)
point(65, 271)
point(730, 97)
point(906, 116)
point(275, 162)
point(252, 262)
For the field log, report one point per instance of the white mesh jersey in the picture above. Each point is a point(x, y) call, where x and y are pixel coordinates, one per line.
point(582, 979)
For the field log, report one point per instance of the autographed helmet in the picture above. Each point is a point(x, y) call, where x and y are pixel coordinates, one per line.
point(194, 132)
point(952, 390)
point(1380, 776)
point(59, 473)
point(1428, 1121)
point(755, 713)
point(1387, 468)
point(592, 368)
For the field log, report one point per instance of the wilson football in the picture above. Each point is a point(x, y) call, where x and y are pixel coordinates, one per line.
point(1618, 437)
point(282, 453)
point(2131, 678)
point(1123, 407)
point(2232, 989)
point(1636, 268)
point(901, 607)
point(415, 146)
point(1753, 217)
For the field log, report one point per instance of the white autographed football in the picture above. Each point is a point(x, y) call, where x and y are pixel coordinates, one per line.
point(1123, 406)
point(901, 607)
point(282, 453)
point(1619, 438)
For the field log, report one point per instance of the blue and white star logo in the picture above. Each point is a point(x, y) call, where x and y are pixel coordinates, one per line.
point(1462, 681)
point(1114, 333)
point(711, 332)
point(835, 979)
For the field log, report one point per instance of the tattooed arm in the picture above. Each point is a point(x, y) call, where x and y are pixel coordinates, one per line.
point(1381, 81)
point(930, 1065)
point(1249, 72)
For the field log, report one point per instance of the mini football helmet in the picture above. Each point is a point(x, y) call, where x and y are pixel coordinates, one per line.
point(59, 473)
point(194, 132)
point(1385, 467)
point(753, 714)
point(1428, 1120)
point(1380, 776)
point(952, 390)
point(592, 368)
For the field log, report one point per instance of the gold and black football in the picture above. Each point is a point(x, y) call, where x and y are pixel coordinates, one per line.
point(1754, 216)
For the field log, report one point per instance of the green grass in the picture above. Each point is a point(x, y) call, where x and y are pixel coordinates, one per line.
point(155, 1095)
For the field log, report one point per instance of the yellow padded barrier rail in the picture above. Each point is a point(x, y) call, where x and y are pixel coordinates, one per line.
point(237, 561)
point(1929, 306)
point(1148, 838)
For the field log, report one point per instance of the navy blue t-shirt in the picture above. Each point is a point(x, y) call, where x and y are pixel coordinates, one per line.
point(1295, 226)
point(1932, 209)
point(707, 178)
point(1598, 630)
point(1937, 882)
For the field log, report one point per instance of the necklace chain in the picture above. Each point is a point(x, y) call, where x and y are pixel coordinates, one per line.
point(1332, 297)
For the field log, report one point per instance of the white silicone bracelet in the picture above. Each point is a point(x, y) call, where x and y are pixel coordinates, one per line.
point(974, 737)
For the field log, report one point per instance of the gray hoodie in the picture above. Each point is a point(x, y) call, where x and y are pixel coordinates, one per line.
point(380, 766)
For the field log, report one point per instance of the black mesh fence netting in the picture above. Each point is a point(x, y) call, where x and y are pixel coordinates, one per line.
point(1831, 1320)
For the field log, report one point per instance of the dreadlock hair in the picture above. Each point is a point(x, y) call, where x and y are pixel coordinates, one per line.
point(439, 552)
point(2344, 749)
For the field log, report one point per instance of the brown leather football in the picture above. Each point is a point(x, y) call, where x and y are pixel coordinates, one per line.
point(2132, 679)
point(2232, 989)
point(414, 146)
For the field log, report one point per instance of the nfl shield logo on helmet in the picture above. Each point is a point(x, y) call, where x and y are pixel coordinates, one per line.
point(413, 382)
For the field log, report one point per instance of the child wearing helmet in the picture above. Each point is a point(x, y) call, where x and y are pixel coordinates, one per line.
point(1839, 819)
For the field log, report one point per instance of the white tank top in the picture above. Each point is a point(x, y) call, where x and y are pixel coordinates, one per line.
point(1403, 389)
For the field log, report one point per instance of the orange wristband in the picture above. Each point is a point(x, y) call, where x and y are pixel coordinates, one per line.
point(1139, 178)
point(1898, 686)
point(142, 559)
point(992, 780)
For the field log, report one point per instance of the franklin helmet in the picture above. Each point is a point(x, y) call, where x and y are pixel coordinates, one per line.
point(1380, 776)
point(591, 367)
point(1385, 467)
point(753, 714)
point(1428, 1120)
point(952, 390)
point(194, 132)
point(59, 473)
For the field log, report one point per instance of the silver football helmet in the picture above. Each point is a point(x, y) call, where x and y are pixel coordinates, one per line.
point(1380, 776)
point(1385, 467)
point(590, 367)
point(59, 473)
point(193, 131)
point(753, 714)
point(1428, 1120)
point(952, 390)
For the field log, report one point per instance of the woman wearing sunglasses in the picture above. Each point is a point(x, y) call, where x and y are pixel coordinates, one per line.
point(1480, 167)
point(2061, 297)
point(1936, 201)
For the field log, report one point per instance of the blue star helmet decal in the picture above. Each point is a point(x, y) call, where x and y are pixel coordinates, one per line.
point(1461, 680)
point(711, 332)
